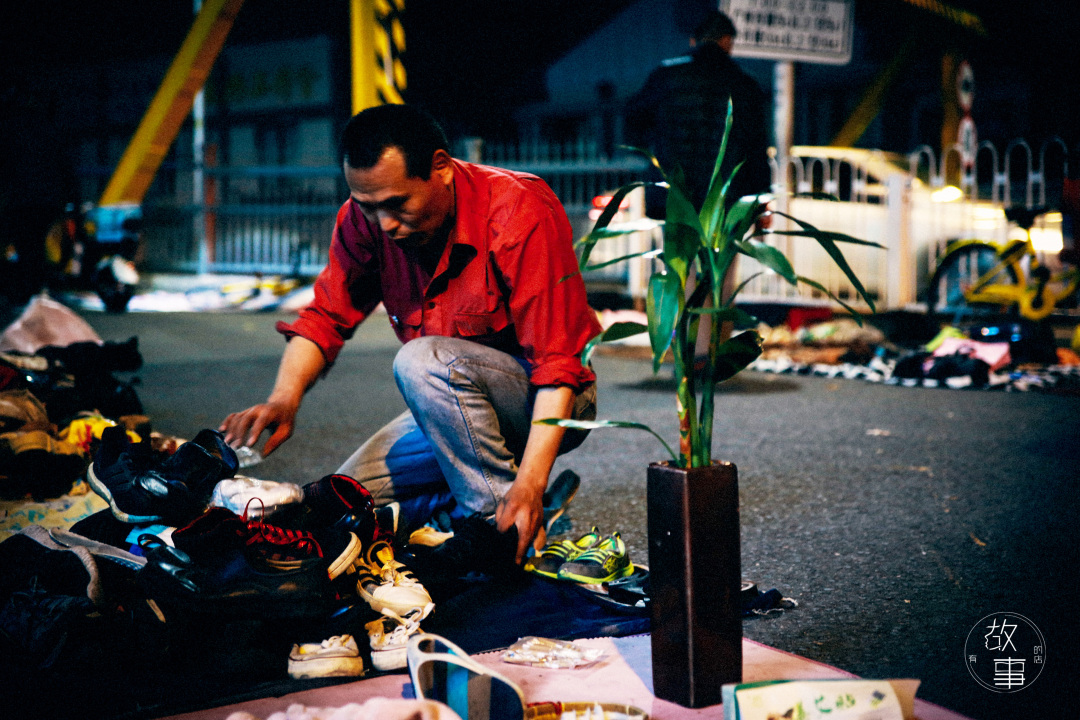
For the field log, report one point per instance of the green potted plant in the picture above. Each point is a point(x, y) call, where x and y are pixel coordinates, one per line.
point(693, 517)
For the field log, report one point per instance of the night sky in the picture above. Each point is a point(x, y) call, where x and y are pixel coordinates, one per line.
point(472, 61)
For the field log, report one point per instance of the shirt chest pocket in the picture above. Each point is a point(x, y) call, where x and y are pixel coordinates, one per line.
point(475, 324)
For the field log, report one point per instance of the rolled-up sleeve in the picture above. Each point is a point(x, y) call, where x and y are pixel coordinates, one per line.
point(347, 290)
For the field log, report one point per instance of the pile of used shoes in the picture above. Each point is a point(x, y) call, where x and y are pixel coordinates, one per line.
point(191, 544)
point(307, 553)
point(54, 403)
point(1007, 356)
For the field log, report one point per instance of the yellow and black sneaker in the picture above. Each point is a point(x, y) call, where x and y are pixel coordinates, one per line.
point(605, 562)
point(556, 554)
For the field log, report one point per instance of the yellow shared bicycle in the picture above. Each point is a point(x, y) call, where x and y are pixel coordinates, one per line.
point(977, 277)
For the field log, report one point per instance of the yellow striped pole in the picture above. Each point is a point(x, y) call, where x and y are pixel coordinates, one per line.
point(378, 45)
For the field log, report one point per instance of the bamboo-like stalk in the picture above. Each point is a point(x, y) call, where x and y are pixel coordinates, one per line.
point(708, 385)
point(686, 402)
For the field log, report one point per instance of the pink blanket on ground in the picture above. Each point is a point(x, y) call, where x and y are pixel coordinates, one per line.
point(613, 679)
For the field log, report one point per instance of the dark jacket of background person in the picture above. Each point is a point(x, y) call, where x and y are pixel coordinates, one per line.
point(679, 114)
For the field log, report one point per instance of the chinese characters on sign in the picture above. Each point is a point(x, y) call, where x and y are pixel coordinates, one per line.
point(1005, 652)
point(817, 31)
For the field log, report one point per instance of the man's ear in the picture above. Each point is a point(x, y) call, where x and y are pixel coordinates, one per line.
point(442, 166)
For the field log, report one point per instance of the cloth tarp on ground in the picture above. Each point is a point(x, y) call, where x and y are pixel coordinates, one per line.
point(141, 669)
point(623, 675)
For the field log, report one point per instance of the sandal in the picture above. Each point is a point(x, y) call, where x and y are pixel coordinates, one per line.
point(442, 671)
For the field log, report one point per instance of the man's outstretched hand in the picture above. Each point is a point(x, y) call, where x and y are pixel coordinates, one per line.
point(244, 428)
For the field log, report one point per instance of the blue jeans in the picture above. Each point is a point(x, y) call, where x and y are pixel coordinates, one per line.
point(458, 446)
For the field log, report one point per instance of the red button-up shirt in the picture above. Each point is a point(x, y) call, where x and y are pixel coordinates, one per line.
point(497, 282)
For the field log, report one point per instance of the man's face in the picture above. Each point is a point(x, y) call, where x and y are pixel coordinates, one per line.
point(409, 209)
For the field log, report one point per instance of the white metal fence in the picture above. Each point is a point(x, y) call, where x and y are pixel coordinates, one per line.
point(279, 219)
point(913, 205)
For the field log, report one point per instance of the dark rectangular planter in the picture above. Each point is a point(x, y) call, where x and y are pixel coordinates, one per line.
point(694, 581)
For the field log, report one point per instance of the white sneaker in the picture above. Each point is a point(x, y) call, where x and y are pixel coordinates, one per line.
point(335, 657)
point(385, 583)
point(389, 637)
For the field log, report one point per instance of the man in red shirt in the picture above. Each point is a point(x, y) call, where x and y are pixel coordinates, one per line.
point(476, 269)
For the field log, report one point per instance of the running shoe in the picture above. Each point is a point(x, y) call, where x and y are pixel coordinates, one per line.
point(115, 475)
point(385, 583)
point(141, 490)
point(558, 553)
point(605, 562)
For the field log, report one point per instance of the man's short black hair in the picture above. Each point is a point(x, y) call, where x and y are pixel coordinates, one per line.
point(715, 26)
point(406, 127)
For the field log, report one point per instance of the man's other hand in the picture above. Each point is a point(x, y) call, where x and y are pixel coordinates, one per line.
point(523, 507)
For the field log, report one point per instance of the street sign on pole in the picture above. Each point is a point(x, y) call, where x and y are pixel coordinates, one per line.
point(965, 86)
point(814, 31)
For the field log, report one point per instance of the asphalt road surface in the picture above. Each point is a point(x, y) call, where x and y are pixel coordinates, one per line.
point(897, 518)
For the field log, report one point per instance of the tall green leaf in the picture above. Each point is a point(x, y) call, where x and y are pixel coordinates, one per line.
point(768, 256)
point(617, 331)
point(599, 424)
point(604, 220)
point(734, 355)
point(682, 232)
point(828, 243)
point(663, 306)
point(714, 198)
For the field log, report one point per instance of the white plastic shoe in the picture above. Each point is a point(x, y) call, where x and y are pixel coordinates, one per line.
point(389, 637)
point(258, 498)
point(337, 656)
point(384, 583)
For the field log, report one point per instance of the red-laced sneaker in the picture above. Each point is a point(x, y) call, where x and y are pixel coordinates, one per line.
point(287, 549)
point(211, 538)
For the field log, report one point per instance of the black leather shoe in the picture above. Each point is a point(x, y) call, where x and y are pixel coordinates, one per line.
point(234, 588)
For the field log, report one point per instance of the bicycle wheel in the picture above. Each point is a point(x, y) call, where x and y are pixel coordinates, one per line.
point(958, 271)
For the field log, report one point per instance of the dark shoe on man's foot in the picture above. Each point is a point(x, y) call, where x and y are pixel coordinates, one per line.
point(476, 547)
point(557, 498)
